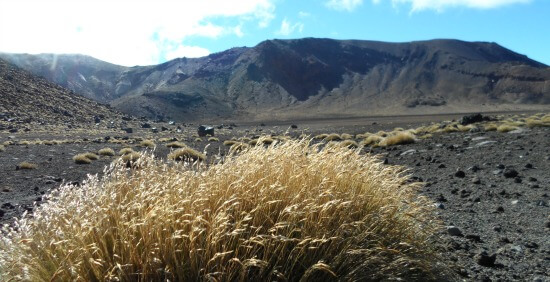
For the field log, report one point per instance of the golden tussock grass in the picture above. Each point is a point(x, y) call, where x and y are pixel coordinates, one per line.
point(371, 140)
point(238, 147)
point(231, 142)
point(506, 127)
point(176, 144)
point(398, 139)
point(147, 144)
point(363, 135)
point(286, 212)
point(213, 139)
point(91, 156)
point(490, 127)
point(333, 137)
point(187, 155)
point(26, 165)
point(198, 139)
point(82, 159)
point(125, 151)
point(321, 136)
point(531, 123)
point(346, 136)
point(106, 152)
point(349, 144)
point(2, 148)
point(130, 158)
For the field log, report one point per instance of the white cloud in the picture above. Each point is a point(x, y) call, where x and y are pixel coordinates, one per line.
point(440, 5)
point(123, 32)
point(344, 5)
point(303, 14)
point(288, 28)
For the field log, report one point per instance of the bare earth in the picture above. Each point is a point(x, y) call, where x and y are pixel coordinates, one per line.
point(468, 175)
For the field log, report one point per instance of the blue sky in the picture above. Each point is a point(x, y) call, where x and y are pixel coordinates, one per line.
point(150, 32)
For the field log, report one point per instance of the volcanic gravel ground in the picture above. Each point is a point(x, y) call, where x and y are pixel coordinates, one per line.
point(491, 190)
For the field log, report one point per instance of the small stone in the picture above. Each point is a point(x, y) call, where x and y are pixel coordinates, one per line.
point(531, 245)
point(441, 198)
point(528, 165)
point(510, 173)
point(484, 259)
point(515, 202)
point(500, 209)
point(460, 174)
point(475, 238)
point(441, 166)
point(454, 231)
point(517, 180)
point(476, 180)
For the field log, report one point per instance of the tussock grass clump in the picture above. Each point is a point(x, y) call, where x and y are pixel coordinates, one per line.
point(213, 139)
point(2, 148)
point(27, 165)
point(147, 144)
point(82, 159)
point(198, 139)
point(91, 156)
point(490, 127)
point(506, 128)
point(125, 151)
point(238, 147)
point(106, 152)
point(349, 144)
point(398, 139)
point(346, 136)
point(333, 137)
point(371, 140)
point(176, 144)
point(531, 123)
point(187, 154)
point(231, 142)
point(285, 212)
point(321, 136)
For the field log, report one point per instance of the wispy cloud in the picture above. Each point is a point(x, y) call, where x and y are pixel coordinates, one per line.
point(440, 5)
point(123, 32)
point(343, 5)
point(288, 28)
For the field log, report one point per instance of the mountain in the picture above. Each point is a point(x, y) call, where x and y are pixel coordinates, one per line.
point(312, 78)
point(25, 98)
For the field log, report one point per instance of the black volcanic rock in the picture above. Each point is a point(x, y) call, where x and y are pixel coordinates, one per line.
point(282, 79)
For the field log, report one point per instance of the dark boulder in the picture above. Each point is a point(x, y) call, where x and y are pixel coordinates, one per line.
point(469, 119)
point(205, 130)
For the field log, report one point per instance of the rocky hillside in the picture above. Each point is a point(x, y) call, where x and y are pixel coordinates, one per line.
point(306, 78)
point(25, 98)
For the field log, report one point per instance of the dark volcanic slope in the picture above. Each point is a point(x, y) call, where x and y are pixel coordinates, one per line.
point(280, 79)
point(26, 98)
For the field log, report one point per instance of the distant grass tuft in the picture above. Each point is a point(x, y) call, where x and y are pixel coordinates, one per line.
point(147, 144)
point(506, 128)
point(286, 212)
point(398, 139)
point(213, 139)
point(176, 144)
point(106, 152)
point(125, 151)
point(27, 165)
point(187, 155)
point(371, 140)
point(231, 142)
point(333, 137)
point(91, 156)
point(2, 148)
point(82, 159)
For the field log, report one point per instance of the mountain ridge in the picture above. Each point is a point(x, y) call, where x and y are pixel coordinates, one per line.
point(313, 77)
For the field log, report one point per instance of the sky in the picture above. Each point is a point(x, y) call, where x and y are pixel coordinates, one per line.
point(146, 32)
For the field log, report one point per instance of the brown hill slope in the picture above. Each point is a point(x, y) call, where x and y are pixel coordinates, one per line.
point(25, 98)
point(282, 79)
